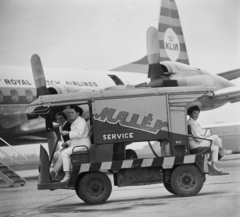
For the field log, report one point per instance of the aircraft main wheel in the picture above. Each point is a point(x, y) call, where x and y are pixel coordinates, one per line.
point(130, 154)
point(94, 188)
point(187, 180)
point(169, 188)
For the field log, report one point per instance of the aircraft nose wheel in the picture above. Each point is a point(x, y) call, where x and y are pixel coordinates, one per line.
point(187, 180)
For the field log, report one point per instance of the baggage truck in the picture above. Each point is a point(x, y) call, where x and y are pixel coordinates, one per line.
point(121, 117)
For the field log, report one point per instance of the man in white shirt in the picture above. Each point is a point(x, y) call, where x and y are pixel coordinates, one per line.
point(77, 136)
point(197, 131)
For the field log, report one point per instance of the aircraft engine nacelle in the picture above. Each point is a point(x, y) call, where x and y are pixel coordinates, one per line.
point(61, 89)
point(176, 69)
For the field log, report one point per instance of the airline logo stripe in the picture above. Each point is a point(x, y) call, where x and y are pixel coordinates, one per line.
point(169, 21)
point(169, 13)
point(182, 55)
point(185, 61)
point(180, 37)
point(165, 162)
point(182, 46)
point(169, 4)
point(163, 27)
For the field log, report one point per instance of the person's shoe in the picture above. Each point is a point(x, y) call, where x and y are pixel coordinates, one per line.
point(59, 176)
point(225, 152)
point(52, 176)
point(214, 166)
point(66, 177)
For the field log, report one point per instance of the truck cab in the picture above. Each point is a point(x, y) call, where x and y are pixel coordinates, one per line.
point(119, 118)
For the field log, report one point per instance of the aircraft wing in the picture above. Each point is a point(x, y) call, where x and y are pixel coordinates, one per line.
point(230, 94)
point(230, 75)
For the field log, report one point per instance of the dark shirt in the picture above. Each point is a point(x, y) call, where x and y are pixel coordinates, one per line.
point(66, 127)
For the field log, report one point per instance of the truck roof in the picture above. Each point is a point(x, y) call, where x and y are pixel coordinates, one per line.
point(189, 94)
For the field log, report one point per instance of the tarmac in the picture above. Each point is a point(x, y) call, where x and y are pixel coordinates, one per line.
point(220, 196)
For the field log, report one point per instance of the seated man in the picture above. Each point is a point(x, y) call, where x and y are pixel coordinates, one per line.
point(77, 136)
point(197, 131)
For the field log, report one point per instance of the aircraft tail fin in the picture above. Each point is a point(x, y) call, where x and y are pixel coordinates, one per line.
point(171, 40)
point(170, 34)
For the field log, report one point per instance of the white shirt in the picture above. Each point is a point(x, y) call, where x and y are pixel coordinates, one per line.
point(79, 133)
point(196, 131)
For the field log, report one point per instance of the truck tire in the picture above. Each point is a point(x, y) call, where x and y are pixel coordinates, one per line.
point(187, 180)
point(94, 188)
point(169, 188)
point(130, 154)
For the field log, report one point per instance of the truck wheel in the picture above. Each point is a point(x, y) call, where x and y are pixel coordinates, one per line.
point(187, 180)
point(169, 188)
point(130, 154)
point(94, 188)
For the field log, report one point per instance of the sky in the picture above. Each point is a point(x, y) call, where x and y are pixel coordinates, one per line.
point(102, 35)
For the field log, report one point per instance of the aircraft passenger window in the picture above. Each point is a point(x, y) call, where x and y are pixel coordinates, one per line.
point(29, 95)
point(1, 96)
point(14, 95)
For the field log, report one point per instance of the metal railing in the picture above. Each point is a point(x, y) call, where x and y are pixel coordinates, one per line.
point(13, 161)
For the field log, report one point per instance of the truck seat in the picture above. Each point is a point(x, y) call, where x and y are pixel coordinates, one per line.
point(80, 157)
point(198, 150)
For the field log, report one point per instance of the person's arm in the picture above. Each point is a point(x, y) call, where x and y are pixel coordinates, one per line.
point(78, 131)
point(196, 132)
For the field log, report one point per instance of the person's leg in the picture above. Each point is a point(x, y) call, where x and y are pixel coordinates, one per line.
point(214, 153)
point(55, 157)
point(66, 163)
point(58, 165)
point(218, 142)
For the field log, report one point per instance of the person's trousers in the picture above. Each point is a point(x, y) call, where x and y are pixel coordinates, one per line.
point(216, 144)
point(57, 161)
point(66, 160)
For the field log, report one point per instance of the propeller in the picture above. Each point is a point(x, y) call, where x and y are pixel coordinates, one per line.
point(38, 75)
point(155, 71)
point(40, 82)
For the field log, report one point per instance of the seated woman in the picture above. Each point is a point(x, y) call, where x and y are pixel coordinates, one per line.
point(197, 131)
point(64, 125)
point(77, 136)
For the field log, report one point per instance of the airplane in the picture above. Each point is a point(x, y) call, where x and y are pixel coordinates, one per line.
point(166, 63)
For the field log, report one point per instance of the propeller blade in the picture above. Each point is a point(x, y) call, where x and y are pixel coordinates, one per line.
point(38, 75)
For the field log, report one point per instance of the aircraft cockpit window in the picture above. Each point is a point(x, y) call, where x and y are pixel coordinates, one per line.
point(1, 96)
point(14, 95)
point(29, 95)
